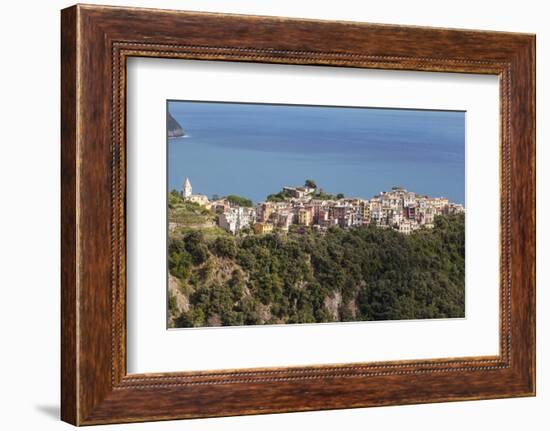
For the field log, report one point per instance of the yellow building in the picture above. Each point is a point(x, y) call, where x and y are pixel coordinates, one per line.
point(366, 213)
point(304, 217)
point(198, 199)
point(266, 210)
point(261, 228)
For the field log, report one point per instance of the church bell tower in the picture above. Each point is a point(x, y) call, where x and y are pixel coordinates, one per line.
point(187, 189)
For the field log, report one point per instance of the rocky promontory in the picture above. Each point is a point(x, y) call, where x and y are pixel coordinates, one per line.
point(174, 128)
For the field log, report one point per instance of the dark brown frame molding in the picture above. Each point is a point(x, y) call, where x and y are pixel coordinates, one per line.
point(95, 43)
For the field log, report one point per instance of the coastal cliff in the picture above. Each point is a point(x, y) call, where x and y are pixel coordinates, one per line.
point(174, 128)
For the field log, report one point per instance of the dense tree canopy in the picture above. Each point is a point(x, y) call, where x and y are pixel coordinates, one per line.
point(279, 197)
point(310, 183)
point(239, 201)
point(357, 274)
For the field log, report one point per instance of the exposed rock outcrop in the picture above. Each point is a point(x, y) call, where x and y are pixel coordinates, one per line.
point(174, 128)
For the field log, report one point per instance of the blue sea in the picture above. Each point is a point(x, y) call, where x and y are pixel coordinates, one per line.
point(255, 149)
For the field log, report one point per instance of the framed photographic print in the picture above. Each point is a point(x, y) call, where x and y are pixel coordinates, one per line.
point(266, 215)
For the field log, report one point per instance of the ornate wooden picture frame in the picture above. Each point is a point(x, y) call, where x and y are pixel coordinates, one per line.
point(96, 41)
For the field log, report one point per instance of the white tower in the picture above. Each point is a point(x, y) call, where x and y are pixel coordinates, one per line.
point(187, 189)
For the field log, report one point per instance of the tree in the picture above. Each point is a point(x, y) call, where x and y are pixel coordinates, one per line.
point(172, 304)
point(196, 247)
point(239, 201)
point(378, 274)
point(174, 199)
point(225, 247)
point(340, 196)
point(279, 197)
point(179, 261)
point(311, 184)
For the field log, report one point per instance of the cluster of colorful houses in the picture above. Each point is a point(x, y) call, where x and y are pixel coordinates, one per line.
point(398, 209)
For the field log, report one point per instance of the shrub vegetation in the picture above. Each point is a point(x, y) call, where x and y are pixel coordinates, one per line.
point(357, 274)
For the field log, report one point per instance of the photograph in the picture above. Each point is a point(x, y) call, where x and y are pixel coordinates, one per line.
point(277, 210)
point(301, 214)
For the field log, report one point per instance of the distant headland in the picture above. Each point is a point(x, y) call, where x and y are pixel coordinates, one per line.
point(174, 128)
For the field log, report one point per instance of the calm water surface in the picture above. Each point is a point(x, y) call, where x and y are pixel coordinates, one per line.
point(254, 149)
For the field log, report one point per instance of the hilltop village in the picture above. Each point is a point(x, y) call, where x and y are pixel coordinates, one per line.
point(308, 206)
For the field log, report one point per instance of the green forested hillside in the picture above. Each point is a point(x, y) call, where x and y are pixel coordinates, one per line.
point(356, 274)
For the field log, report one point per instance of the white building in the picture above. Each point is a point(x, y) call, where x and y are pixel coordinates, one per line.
point(236, 219)
point(406, 227)
point(190, 197)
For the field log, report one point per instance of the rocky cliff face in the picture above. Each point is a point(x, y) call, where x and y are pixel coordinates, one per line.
point(174, 128)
